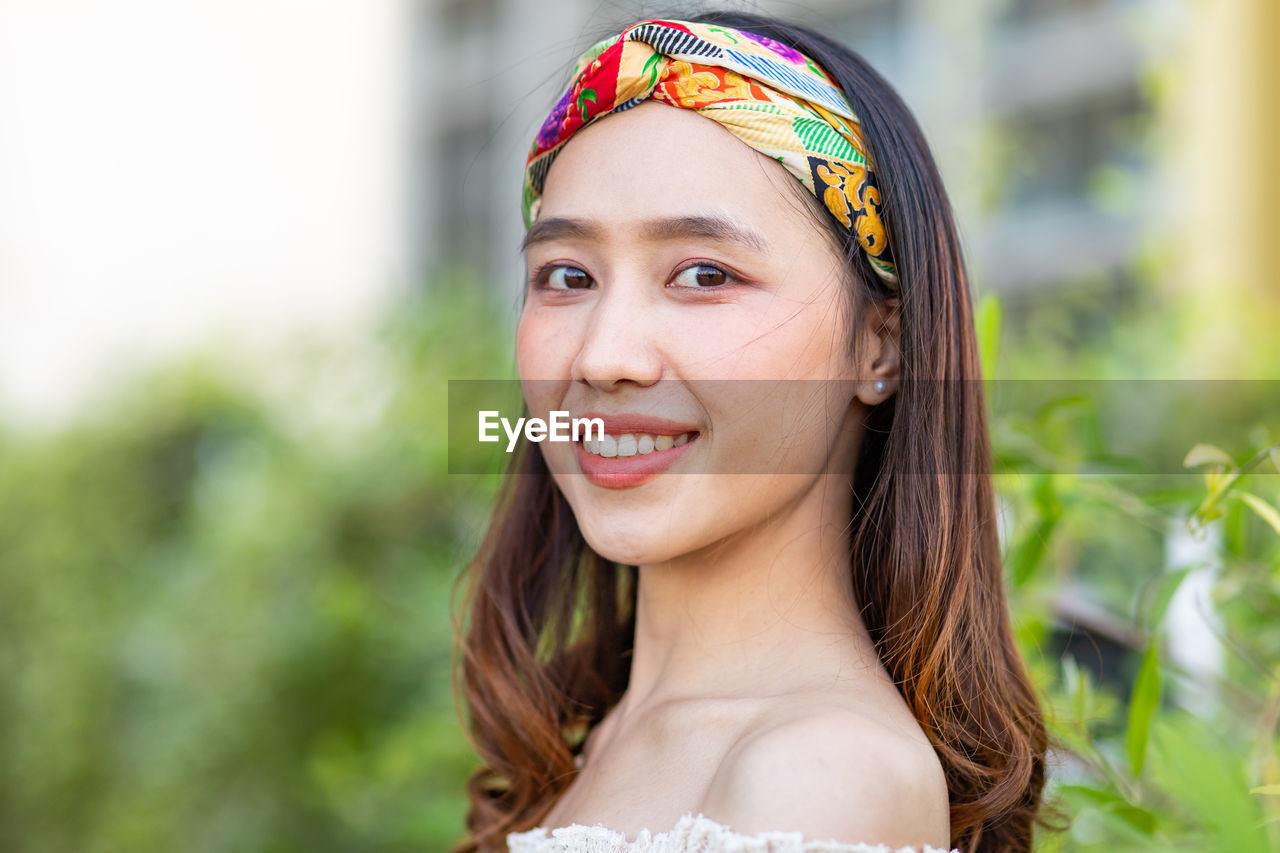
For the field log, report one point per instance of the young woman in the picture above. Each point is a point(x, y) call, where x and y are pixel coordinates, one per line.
point(765, 611)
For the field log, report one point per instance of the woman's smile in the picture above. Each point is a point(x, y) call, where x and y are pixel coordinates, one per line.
point(633, 450)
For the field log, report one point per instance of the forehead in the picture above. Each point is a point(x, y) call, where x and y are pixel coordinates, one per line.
point(655, 160)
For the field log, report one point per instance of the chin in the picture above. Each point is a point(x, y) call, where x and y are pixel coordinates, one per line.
point(636, 538)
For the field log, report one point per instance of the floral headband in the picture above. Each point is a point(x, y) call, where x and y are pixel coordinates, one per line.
point(772, 97)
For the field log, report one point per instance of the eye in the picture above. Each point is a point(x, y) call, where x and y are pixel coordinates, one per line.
point(566, 278)
point(702, 276)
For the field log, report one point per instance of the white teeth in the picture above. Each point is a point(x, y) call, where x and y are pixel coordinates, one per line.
point(633, 444)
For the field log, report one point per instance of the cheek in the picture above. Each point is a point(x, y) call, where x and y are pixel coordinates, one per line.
point(544, 358)
point(787, 427)
point(785, 341)
point(544, 347)
point(814, 344)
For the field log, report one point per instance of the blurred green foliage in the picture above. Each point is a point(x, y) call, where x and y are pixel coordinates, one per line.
point(226, 616)
point(227, 629)
point(1145, 766)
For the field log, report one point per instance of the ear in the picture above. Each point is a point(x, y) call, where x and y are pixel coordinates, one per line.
point(878, 354)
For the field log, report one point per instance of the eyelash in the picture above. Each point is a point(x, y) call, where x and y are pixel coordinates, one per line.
point(542, 274)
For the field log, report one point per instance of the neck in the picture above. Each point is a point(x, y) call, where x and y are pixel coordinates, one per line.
point(770, 612)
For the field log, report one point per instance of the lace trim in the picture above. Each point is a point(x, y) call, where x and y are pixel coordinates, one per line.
point(691, 834)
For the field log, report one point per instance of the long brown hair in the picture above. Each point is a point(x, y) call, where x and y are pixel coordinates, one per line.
point(552, 623)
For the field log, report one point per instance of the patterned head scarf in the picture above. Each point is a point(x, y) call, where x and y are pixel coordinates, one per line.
point(772, 97)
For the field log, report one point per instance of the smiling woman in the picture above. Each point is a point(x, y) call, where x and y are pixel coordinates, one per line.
point(764, 611)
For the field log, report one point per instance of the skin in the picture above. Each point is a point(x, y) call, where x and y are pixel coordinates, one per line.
point(756, 696)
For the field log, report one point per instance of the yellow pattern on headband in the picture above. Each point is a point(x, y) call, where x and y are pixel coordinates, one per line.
point(771, 96)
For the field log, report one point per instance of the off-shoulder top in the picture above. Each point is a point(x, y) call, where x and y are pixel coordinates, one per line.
point(691, 834)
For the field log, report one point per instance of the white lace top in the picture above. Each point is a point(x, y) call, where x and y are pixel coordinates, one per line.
point(691, 834)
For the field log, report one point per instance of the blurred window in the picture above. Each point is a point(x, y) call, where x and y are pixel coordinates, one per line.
point(1017, 12)
point(1055, 152)
point(464, 202)
point(875, 29)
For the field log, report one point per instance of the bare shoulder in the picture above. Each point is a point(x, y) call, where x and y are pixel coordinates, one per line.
point(834, 773)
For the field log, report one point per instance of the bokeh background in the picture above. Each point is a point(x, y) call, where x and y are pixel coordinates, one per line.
point(244, 246)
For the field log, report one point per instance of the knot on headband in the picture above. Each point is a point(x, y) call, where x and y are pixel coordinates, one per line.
point(772, 97)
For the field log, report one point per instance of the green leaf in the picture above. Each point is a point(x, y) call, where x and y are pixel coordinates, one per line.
point(1074, 687)
point(1203, 454)
point(1266, 790)
point(1275, 458)
point(1029, 552)
point(1137, 817)
point(1197, 765)
point(1268, 513)
point(987, 322)
point(1166, 587)
point(1095, 796)
point(1142, 707)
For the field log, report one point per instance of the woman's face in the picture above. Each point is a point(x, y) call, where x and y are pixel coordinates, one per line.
point(680, 290)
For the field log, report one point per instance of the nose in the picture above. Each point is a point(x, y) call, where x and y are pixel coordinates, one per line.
point(618, 346)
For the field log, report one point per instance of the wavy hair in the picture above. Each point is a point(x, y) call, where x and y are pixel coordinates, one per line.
point(546, 653)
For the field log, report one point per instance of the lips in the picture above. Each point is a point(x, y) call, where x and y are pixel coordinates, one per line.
point(634, 449)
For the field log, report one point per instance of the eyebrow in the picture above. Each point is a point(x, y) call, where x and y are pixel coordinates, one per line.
point(671, 228)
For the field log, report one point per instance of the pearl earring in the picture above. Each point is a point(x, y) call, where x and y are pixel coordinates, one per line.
point(879, 386)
